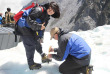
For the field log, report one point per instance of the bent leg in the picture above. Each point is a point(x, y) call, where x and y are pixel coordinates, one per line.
point(69, 67)
point(73, 65)
point(38, 47)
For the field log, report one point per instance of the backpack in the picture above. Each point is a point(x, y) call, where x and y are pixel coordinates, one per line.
point(18, 16)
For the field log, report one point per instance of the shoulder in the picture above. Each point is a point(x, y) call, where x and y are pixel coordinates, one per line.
point(65, 37)
point(37, 9)
point(8, 13)
point(35, 12)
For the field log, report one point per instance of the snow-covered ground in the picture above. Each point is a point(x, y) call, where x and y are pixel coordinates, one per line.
point(13, 61)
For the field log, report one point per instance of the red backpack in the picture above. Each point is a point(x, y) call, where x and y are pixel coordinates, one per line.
point(19, 14)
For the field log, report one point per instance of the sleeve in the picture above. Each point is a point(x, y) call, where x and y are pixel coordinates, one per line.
point(46, 22)
point(60, 51)
point(56, 57)
point(31, 19)
point(59, 55)
point(6, 17)
point(55, 49)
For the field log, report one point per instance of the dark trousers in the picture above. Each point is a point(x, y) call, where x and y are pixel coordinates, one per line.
point(73, 65)
point(31, 43)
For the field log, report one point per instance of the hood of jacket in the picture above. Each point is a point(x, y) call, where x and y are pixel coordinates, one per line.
point(62, 32)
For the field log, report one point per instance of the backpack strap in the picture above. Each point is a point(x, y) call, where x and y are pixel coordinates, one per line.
point(42, 8)
point(14, 32)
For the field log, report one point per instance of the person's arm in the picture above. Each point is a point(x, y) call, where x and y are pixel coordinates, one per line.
point(31, 19)
point(61, 51)
point(55, 56)
point(55, 49)
point(59, 55)
point(6, 17)
point(46, 22)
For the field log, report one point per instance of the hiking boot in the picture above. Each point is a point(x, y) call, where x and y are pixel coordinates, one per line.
point(35, 66)
point(45, 58)
point(89, 69)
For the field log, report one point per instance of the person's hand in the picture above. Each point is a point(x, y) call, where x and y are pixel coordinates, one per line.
point(49, 56)
point(51, 49)
point(43, 27)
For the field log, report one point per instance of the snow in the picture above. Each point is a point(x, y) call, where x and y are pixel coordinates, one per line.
point(13, 61)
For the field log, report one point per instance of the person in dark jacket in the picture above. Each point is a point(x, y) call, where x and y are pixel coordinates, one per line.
point(9, 21)
point(73, 49)
point(31, 29)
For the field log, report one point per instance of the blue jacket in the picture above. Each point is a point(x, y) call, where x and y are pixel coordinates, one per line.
point(0, 20)
point(22, 21)
point(70, 44)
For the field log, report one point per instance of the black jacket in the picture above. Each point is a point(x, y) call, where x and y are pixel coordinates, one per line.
point(36, 12)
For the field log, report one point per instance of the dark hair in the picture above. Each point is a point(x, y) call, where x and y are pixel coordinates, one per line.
point(8, 9)
point(55, 7)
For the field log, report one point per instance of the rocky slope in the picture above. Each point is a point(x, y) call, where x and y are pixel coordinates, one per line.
point(79, 15)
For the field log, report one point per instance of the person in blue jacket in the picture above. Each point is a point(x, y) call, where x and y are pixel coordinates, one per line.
point(0, 19)
point(31, 27)
point(73, 49)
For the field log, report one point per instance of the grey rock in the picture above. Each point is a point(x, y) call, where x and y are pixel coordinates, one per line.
point(80, 14)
